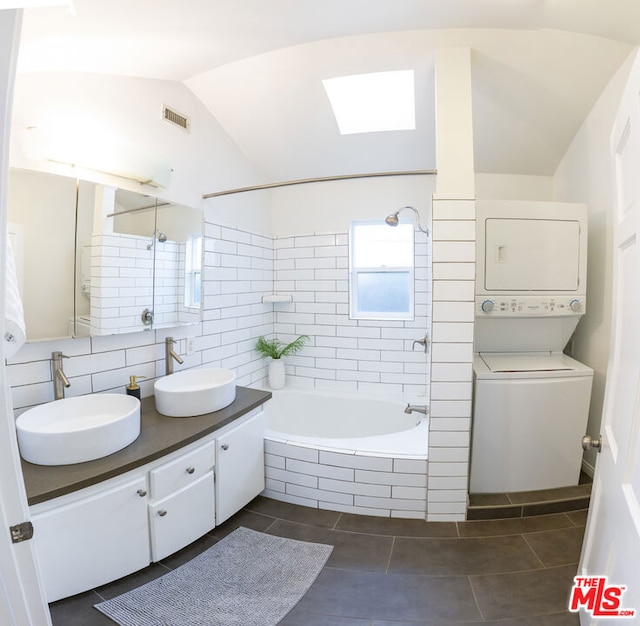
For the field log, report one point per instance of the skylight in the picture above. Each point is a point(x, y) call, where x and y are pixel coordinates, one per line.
point(366, 103)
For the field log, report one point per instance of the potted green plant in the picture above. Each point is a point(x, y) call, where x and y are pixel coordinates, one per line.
point(277, 349)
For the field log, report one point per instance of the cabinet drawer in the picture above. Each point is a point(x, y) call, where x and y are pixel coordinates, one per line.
point(182, 517)
point(182, 471)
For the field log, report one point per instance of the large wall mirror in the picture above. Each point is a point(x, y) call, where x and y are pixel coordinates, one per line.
point(95, 260)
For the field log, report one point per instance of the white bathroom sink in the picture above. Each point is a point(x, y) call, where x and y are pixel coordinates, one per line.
point(75, 430)
point(195, 392)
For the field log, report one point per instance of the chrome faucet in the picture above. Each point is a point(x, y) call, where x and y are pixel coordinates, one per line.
point(424, 342)
point(170, 355)
point(60, 380)
point(417, 408)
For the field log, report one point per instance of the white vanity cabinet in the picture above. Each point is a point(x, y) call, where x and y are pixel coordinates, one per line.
point(182, 505)
point(98, 534)
point(240, 464)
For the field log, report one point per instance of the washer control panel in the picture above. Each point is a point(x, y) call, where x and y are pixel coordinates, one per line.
point(529, 306)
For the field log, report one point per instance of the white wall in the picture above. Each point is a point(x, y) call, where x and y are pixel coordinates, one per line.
point(329, 207)
point(585, 175)
point(513, 187)
point(129, 109)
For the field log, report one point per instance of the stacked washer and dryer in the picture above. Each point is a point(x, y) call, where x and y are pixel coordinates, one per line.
point(531, 401)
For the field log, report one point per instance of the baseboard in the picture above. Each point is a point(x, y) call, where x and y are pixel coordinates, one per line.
point(588, 469)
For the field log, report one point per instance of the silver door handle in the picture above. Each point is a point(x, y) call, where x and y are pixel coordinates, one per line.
point(592, 443)
point(225, 446)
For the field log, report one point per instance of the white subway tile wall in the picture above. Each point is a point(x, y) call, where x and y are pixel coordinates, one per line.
point(451, 358)
point(238, 271)
point(346, 354)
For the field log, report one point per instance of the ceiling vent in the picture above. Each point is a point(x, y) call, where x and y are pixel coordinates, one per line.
point(171, 115)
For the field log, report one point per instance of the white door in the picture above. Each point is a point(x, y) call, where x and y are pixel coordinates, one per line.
point(612, 542)
point(21, 600)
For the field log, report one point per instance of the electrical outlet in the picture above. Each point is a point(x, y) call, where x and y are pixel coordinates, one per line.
point(191, 345)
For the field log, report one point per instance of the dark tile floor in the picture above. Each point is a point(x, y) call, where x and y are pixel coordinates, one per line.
point(385, 572)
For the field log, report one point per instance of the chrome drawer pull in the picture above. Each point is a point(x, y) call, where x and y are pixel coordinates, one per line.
point(162, 513)
point(141, 492)
point(190, 470)
point(225, 446)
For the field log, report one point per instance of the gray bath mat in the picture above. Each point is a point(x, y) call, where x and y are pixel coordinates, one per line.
point(247, 579)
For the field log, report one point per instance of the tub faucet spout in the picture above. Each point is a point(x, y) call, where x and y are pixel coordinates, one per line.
point(417, 408)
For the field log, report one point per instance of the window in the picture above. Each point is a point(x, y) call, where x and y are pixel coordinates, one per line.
point(381, 271)
point(366, 103)
point(193, 272)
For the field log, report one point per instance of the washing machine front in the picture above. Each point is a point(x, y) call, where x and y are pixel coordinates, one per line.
point(530, 412)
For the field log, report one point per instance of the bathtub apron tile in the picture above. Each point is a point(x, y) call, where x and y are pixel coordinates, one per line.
point(290, 498)
point(409, 466)
point(356, 461)
point(363, 489)
point(290, 451)
point(275, 485)
point(387, 478)
point(408, 493)
point(319, 494)
point(317, 469)
point(285, 476)
point(391, 503)
point(399, 514)
point(357, 510)
point(273, 460)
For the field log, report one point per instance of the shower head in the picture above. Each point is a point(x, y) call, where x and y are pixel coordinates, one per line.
point(392, 220)
point(159, 235)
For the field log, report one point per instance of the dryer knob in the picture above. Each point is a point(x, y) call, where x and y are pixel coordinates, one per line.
point(487, 306)
point(575, 306)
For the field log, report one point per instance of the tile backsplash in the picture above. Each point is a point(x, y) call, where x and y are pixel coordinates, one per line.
point(238, 270)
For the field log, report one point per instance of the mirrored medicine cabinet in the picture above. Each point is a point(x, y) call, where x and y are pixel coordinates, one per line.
point(93, 260)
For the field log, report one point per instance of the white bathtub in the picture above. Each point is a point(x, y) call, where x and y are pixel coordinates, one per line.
point(349, 453)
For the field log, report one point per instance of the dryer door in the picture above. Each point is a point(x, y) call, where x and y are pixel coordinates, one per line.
point(531, 255)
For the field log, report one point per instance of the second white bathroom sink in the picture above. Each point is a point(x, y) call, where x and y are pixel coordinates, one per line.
point(75, 430)
point(195, 392)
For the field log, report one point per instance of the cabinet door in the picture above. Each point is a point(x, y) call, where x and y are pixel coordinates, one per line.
point(240, 465)
point(92, 541)
point(182, 517)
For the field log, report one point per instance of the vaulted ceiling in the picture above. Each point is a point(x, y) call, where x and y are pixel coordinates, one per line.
point(537, 68)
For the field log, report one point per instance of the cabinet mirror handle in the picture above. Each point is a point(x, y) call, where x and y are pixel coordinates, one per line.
point(141, 492)
point(225, 446)
point(190, 470)
point(162, 512)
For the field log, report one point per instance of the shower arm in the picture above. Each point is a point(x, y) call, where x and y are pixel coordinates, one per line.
point(392, 219)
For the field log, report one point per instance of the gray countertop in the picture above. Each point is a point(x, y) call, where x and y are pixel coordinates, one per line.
point(159, 435)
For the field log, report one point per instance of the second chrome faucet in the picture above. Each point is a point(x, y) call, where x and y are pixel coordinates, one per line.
point(60, 380)
point(170, 355)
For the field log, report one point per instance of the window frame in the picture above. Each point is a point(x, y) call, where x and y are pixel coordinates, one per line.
point(193, 271)
point(354, 271)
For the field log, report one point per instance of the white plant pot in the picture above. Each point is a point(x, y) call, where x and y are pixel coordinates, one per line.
point(276, 374)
